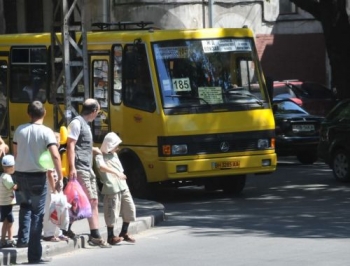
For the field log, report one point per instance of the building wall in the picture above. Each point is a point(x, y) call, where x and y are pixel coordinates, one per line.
point(295, 49)
point(257, 15)
point(293, 56)
point(290, 45)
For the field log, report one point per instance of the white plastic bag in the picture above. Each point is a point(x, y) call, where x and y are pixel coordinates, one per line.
point(59, 210)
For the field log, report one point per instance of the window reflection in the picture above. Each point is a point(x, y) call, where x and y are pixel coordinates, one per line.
point(3, 99)
point(100, 93)
point(117, 77)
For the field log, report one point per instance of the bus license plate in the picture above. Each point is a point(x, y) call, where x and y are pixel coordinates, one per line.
point(227, 165)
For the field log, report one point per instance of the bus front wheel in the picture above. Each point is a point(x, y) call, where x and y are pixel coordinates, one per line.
point(137, 180)
point(233, 184)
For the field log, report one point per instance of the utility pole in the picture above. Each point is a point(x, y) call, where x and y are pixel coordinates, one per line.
point(69, 60)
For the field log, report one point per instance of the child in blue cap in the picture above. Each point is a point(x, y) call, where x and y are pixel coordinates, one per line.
point(7, 200)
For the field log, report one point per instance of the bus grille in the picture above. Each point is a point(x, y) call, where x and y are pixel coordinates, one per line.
point(217, 143)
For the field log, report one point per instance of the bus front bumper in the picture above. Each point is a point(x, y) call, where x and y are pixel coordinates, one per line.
point(238, 165)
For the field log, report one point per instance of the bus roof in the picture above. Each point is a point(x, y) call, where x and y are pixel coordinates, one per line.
point(127, 36)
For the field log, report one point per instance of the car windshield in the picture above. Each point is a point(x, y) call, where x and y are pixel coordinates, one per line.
point(311, 90)
point(220, 73)
point(342, 111)
point(287, 107)
point(283, 91)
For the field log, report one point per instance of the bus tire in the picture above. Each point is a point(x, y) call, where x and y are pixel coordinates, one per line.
point(136, 179)
point(233, 184)
point(212, 184)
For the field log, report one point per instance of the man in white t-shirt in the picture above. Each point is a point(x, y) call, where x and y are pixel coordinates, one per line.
point(30, 141)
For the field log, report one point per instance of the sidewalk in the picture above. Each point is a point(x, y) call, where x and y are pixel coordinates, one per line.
point(149, 213)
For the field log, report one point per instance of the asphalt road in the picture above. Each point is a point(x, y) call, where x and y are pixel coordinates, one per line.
point(297, 216)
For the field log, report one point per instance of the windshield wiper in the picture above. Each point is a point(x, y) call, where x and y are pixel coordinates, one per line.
point(246, 94)
point(189, 97)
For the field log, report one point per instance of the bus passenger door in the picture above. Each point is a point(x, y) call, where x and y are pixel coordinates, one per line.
point(100, 90)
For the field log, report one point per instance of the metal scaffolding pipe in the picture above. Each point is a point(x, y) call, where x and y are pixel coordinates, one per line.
point(105, 11)
point(210, 13)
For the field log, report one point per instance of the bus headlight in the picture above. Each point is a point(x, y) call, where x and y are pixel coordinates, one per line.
point(263, 144)
point(179, 149)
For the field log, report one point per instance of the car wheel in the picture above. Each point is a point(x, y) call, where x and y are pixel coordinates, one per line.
point(307, 158)
point(340, 166)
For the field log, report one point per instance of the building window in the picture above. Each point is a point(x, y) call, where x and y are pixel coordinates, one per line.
point(286, 7)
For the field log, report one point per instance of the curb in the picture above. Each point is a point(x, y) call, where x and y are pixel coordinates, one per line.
point(149, 215)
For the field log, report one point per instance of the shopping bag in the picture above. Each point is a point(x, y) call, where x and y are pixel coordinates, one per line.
point(58, 210)
point(76, 197)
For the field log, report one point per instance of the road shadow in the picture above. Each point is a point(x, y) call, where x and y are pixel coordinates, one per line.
point(296, 201)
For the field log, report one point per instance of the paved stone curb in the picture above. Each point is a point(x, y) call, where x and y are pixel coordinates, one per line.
point(149, 214)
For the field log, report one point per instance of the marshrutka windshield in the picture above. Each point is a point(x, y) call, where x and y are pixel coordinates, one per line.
point(215, 72)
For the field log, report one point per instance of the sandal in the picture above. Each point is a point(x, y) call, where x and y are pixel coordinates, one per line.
point(70, 234)
point(63, 238)
point(128, 238)
point(51, 239)
point(8, 244)
point(2, 243)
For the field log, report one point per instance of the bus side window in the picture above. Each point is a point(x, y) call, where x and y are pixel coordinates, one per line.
point(138, 91)
point(28, 74)
point(3, 99)
point(100, 93)
point(117, 74)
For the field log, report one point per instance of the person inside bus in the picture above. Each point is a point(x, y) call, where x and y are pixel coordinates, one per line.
point(28, 94)
point(3, 98)
point(34, 91)
point(99, 89)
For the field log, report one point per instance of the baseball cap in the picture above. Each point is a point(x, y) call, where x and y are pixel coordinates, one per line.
point(8, 160)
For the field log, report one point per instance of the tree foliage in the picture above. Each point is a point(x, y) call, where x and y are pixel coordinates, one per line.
point(336, 29)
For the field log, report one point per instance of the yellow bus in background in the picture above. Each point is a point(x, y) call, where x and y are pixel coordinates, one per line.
point(191, 106)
